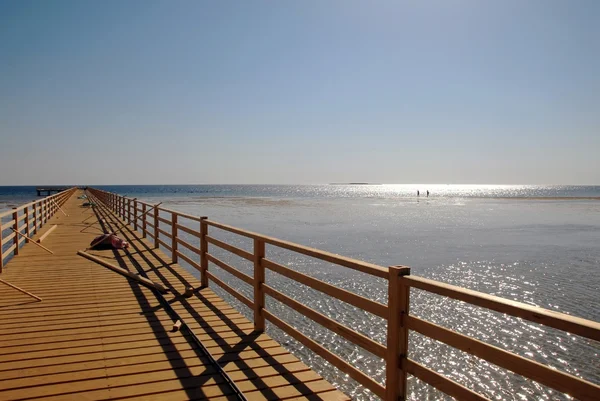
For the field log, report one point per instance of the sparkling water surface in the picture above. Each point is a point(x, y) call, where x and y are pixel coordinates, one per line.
point(487, 238)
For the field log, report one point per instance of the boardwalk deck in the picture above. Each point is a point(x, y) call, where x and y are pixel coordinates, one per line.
point(99, 336)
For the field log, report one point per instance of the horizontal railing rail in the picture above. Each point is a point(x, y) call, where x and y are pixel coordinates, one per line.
point(34, 216)
point(163, 225)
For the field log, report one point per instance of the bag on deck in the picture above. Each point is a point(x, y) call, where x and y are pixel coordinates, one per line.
point(109, 241)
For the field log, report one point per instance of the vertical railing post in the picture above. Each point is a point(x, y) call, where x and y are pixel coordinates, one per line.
point(27, 232)
point(35, 217)
point(203, 252)
point(156, 227)
point(259, 280)
point(128, 211)
point(174, 237)
point(144, 220)
point(135, 220)
point(1, 245)
point(397, 334)
point(16, 228)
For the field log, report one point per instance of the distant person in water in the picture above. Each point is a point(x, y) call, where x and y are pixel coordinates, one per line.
point(417, 192)
point(428, 193)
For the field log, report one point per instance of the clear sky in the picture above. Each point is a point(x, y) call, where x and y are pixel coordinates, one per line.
point(178, 92)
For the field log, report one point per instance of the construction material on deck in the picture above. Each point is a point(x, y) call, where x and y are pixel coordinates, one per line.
point(32, 241)
point(20, 290)
point(126, 273)
point(43, 237)
point(59, 208)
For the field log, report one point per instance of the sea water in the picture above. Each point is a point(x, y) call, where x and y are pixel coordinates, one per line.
point(534, 244)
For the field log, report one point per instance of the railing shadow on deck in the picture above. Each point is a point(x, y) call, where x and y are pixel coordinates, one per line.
point(247, 341)
point(191, 383)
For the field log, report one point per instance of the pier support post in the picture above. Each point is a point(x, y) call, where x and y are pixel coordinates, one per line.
point(35, 217)
point(174, 237)
point(144, 220)
point(27, 232)
point(397, 335)
point(16, 228)
point(259, 280)
point(1, 258)
point(156, 227)
point(203, 252)
point(135, 212)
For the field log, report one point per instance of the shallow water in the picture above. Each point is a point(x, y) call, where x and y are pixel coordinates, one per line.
point(541, 252)
point(544, 253)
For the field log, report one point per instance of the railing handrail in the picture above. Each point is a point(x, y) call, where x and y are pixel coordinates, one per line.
point(396, 311)
point(35, 202)
point(37, 212)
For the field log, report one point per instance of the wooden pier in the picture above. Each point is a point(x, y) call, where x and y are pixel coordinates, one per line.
point(98, 335)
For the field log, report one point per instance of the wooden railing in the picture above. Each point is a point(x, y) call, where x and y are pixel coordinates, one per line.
point(27, 219)
point(147, 218)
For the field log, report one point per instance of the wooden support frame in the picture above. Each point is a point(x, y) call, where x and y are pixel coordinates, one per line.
point(144, 220)
point(259, 281)
point(15, 228)
point(1, 246)
point(174, 237)
point(203, 252)
point(397, 335)
point(230, 269)
point(155, 236)
point(135, 214)
point(351, 298)
point(27, 230)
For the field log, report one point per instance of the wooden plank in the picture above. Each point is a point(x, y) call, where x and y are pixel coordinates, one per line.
point(163, 220)
point(166, 234)
point(188, 245)
point(235, 250)
point(441, 383)
point(354, 337)
point(230, 269)
point(163, 243)
point(124, 272)
point(366, 304)
point(364, 267)
point(47, 233)
point(563, 382)
point(189, 230)
point(203, 253)
point(329, 356)
point(230, 290)
point(189, 260)
point(397, 334)
point(557, 320)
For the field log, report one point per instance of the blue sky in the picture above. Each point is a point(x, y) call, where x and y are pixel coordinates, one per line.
point(440, 91)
